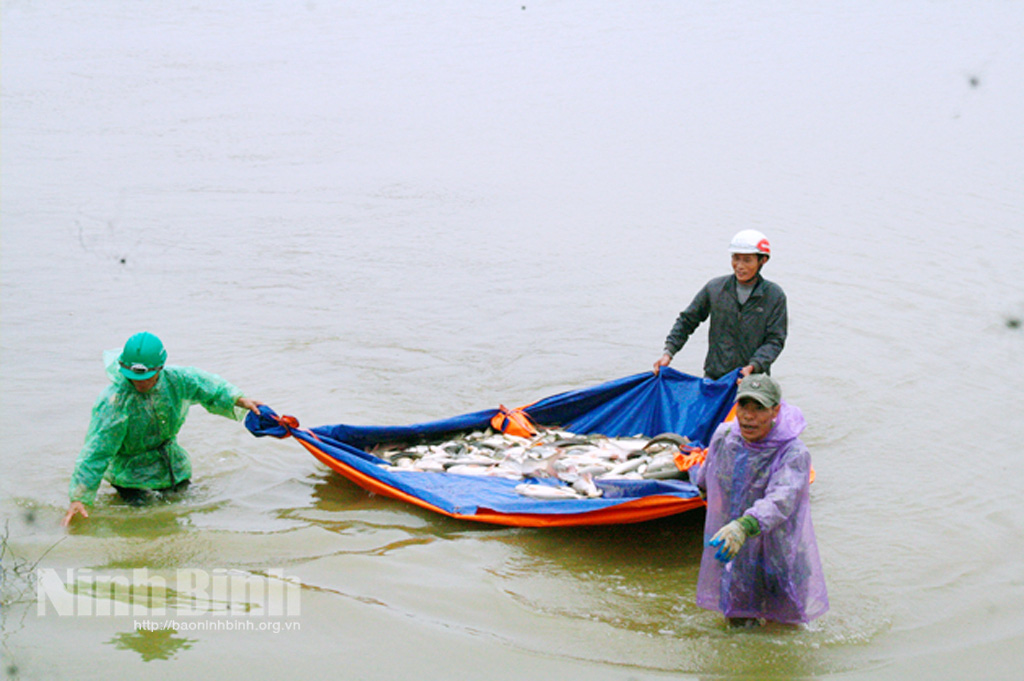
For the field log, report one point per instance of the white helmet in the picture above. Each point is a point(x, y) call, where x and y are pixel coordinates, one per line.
point(751, 241)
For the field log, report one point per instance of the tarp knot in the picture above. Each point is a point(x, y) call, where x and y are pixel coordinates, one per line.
point(513, 422)
point(269, 423)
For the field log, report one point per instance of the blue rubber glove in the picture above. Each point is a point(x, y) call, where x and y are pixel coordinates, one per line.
point(729, 540)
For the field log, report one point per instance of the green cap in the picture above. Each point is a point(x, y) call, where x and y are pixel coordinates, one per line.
point(760, 387)
point(142, 357)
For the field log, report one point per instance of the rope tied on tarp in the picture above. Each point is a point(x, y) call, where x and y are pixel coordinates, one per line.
point(269, 423)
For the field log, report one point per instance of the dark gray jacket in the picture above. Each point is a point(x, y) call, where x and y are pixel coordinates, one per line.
point(752, 333)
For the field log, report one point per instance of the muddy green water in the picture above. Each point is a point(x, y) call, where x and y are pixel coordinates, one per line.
point(386, 213)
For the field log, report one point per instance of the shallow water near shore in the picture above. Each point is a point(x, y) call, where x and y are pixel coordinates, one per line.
point(384, 214)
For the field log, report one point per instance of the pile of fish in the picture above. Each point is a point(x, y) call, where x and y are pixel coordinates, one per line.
point(575, 461)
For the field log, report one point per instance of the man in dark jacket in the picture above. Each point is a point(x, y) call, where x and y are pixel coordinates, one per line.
point(748, 314)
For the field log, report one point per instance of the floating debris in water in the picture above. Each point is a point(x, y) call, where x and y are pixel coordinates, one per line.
point(575, 463)
point(1013, 322)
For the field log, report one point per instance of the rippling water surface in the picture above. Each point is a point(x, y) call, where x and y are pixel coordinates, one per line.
point(386, 213)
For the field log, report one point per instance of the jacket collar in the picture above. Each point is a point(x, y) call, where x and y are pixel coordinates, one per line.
point(755, 292)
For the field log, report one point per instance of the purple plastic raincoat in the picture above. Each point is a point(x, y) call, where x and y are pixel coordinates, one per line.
point(777, 574)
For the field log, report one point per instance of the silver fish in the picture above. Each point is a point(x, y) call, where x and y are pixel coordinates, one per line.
point(668, 438)
point(574, 460)
point(585, 486)
point(548, 492)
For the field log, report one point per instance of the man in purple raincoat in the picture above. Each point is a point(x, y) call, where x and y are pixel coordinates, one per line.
point(761, 562)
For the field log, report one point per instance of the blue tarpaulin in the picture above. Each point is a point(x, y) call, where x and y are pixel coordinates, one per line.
point(643, 404)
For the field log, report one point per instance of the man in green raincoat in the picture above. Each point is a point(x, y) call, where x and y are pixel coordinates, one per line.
point(132, 437)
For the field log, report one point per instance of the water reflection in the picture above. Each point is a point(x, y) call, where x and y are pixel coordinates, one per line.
point(111, 517)
point(332, 493)
point(164, 644)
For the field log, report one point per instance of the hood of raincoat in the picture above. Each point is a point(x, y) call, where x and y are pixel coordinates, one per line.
point(110, 365)
point(787, 427)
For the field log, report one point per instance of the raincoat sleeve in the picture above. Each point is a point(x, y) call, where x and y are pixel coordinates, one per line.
point(688, 321)
point(785, 488)
point(215, 394)
point(776, 330)
point(107, 429)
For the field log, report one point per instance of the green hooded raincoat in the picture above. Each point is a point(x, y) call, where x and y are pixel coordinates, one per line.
point(132, 437)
